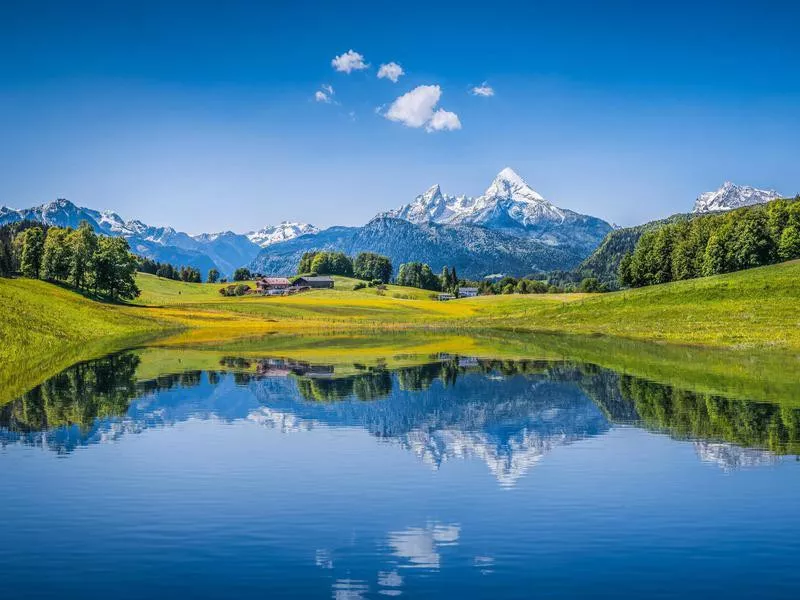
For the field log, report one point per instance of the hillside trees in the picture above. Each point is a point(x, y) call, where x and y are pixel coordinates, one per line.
point(31, 250)
point(57, 255)
point(370, 266)
point(711, 244)
point(83, 245)
point(418, 275)
point(79, 257)
point(114, 273)
point(213, 276)
point(332, 263)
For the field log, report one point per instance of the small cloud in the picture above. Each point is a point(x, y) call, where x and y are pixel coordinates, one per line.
point(349, 61)
point(443, 120)
point(391, 71)
point(325, 94)
point(483, 89)
point(417, 108)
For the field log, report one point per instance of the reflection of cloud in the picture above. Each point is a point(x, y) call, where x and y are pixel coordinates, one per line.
point(323, 559)
point(729, 457)
point(349, 589)
point(420, 546)
point(484, 564)
point(390, 579)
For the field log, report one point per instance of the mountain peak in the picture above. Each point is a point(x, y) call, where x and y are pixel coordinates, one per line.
point(508, 184)
point(731, 196)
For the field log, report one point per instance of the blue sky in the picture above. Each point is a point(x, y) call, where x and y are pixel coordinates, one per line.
point(202, 115)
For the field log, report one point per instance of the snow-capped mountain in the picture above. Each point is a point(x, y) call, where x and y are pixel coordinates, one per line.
point(225, 251)
point(731, 196)
point(508, 204)
point(273, 234)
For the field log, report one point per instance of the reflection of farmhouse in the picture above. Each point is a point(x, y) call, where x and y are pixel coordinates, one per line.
point(277, 367)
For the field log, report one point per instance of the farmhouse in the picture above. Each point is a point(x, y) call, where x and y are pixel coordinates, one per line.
point(315, 282)
point(266, 284)
point(445, 297)
point(467, 292)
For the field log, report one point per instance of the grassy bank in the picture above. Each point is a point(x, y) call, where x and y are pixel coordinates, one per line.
point(46, 327)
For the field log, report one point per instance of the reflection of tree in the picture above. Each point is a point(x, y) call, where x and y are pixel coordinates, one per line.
point(695, 415)
point(368, 386)
point(79, 395)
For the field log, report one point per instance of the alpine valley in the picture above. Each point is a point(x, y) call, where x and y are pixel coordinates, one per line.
point(509, 229)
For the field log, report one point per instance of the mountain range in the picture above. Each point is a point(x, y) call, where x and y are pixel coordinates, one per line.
point(509, 229)
point(225, 251)
point(731, 196)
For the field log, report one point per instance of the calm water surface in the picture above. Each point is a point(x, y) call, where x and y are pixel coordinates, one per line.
point(452, 478)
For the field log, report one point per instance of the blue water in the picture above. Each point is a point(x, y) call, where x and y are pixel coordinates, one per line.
point(463, 481)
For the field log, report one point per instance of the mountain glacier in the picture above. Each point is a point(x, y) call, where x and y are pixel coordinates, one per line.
point(510, 205)
point(731, 196)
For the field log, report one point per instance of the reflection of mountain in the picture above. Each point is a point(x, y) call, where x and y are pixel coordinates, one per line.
point(508, 414)
point(509, 423)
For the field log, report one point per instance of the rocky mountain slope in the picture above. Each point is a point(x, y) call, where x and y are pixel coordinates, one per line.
point(475, 251)
point(509, 205)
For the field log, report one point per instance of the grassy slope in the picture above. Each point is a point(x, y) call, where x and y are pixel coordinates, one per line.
point(44, 327)
point(753, 309)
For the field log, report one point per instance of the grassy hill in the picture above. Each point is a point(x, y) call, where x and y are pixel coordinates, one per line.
point(46, 327)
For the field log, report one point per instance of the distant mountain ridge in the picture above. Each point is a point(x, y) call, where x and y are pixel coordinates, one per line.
point(225, 251)
point(510, 205)
point(731, 196)
point(475, 251)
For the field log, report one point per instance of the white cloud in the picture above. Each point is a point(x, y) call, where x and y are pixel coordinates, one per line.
point(349, 61)
point(443, 120)
point(483, 89)
point(325, 94)
point(417, 108)
point(391, 71)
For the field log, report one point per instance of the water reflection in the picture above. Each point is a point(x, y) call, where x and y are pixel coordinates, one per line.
point(508, 414)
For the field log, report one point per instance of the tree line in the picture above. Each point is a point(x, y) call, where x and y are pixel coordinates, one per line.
point(79, 257)
point(748, 237)
point(368, 266)
point(168, 271)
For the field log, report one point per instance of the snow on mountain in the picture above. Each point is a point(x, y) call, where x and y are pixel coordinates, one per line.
point(507, 196)
point(731, 196)
point(509, 204)
point(286, 230)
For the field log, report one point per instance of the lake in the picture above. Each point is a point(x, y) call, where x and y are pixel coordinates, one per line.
point(161, 475)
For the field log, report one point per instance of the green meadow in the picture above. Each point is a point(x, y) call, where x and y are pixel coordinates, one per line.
point(750, 317)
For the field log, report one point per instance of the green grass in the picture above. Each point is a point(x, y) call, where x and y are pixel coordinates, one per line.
point(46, 327)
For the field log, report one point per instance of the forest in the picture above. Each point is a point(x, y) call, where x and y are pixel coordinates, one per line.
point(705, 245)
